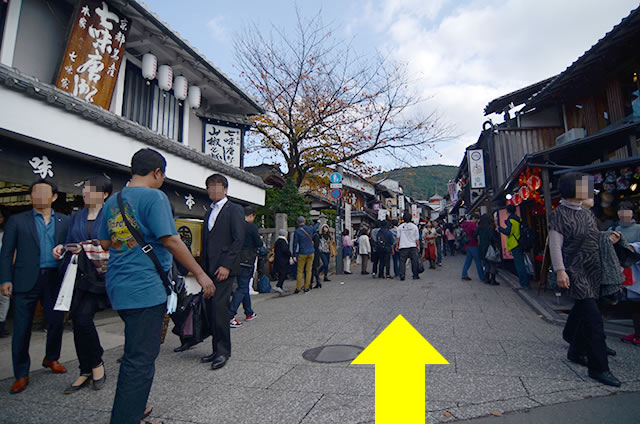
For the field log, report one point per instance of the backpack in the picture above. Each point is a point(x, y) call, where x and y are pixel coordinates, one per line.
point(263, 284)
point(462, 237)
point(381, 242)
point(526, 240)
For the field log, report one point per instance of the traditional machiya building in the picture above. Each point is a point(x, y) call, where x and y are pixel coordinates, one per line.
point(85, 84)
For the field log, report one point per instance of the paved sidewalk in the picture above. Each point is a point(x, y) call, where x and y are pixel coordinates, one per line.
point(503, 357)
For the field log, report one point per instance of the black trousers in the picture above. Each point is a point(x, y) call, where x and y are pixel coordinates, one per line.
point(219, 317)
point(374, 261)
point(584, 331)
point(45, 290)
point(412, 254)
point(142, 336)
point(384, 262)
point(85, 335)
point(282, 276)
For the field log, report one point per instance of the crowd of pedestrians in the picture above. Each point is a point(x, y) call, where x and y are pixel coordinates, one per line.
point(126, 249)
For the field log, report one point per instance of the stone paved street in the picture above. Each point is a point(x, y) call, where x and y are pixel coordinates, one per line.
point(502, 356)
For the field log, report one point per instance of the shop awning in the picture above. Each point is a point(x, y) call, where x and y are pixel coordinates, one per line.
point(602, 166)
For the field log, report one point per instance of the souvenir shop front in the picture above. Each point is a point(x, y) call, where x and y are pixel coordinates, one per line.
point(614, 182)
point(25, 161)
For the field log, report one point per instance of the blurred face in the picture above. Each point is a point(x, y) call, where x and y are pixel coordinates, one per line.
point(325, 230)
point(91, 195)
point(42, 196)
point(584, 188)
point(216, 192)
point(625, 215)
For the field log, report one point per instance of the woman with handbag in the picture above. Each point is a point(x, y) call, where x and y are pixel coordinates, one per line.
point(487, 241)
point(89, 295)
point(325, 251)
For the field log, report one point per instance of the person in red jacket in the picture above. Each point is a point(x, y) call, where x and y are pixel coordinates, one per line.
point(473, 254)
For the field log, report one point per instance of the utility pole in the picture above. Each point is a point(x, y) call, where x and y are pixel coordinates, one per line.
point(339, 265)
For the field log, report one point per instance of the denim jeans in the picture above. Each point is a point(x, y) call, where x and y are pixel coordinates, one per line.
point(384, 262)
point(324, 257)
point(518, 261)
point(241, 295)
point(142, 335)
point(439, 251)
point(473, 254)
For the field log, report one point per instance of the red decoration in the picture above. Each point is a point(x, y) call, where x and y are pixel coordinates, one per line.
point(534, 182)
point(517, 199)
point(524, 192)
point(530, 182)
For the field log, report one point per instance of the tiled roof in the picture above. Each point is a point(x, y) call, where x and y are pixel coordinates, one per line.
point(55, 97)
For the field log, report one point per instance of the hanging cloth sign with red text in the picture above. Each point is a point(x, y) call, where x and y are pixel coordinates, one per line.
point(94, 53)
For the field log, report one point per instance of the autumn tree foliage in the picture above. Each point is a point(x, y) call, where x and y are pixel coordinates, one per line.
point(325, 105)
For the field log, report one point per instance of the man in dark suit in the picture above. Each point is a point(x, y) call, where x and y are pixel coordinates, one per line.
point(32, 235)
point(222, 239)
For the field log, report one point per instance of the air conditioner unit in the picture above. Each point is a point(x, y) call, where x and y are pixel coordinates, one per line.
point(571, 135)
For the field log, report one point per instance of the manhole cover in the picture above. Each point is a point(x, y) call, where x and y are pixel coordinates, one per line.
point(332, 353)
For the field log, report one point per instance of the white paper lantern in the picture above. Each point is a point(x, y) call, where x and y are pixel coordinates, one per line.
point(180, 86)
point(195, 97)
point(149, 66)
point(165, 77)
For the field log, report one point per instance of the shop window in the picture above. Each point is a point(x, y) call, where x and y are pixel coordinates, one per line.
point(149, 106)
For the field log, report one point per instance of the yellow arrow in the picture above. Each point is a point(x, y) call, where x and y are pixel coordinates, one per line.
point(400, 354)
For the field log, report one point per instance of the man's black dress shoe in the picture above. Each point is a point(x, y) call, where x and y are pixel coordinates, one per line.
point(611, 352)
point(605, 377)
point(208, 358)
point(578, 359)
point(183, 347)
point(218, 362)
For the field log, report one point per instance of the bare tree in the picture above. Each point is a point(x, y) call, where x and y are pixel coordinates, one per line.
point(325, 105)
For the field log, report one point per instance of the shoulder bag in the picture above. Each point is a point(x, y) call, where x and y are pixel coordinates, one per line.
point(170, 286)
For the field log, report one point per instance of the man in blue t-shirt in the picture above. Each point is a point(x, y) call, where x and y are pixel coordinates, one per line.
point(133, 284)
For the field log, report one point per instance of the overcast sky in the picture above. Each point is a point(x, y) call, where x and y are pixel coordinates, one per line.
point(461, 53)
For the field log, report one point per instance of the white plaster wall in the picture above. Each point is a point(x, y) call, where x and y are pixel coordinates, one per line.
point(195, 131)
point(33, 118)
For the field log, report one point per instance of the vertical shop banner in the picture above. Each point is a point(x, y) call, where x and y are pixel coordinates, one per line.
point(94, 53)
point(453, 192)
point(223, 143)
point(415, 214)
point(476, 168)
point(401, 204)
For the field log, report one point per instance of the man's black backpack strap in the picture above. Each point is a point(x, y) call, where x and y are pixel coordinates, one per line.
point(146, 248)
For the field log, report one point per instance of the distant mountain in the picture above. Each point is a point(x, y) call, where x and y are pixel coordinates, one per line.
point(422, 182)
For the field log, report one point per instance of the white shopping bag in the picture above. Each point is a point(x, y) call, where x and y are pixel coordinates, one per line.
point(63, 303)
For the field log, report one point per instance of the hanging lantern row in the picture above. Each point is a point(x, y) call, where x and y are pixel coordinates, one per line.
point(166, 81)
point(529, 184)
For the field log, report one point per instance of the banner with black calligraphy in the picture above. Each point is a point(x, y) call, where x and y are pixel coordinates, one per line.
point(94, 53)
point(223, 143)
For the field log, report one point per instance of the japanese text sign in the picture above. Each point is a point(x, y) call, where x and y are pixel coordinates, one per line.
point(223, 143)
point(94, 53)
